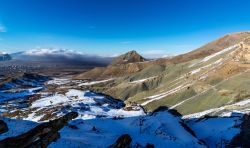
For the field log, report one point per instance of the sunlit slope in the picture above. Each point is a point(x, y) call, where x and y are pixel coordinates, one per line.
point(216, 75)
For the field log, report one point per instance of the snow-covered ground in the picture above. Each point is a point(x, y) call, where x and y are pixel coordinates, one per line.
point(94, 82)
point(162, 130)
point(165, 94)
point(17, 127)
point(16, 90)
point(216, 132)
point(88, 104)
point(214, 110)
point(63, 81)
point(103, 119)
point(142, 80)
point(220, 52)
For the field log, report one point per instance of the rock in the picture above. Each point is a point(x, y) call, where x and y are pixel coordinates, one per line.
point(94, 128)
point(129, 57)
point(150, 145)
point(40, 136)
point(73, 127)
point(3, 127)
point(242, 139)
point(123, 141)
point(242, 54)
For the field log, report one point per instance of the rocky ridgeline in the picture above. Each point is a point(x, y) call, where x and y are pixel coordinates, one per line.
point(242, 139)
point(40, 136)
point(129, 57)
point(242, 54)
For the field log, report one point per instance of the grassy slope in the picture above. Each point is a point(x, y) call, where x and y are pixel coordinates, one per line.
point(214, 83)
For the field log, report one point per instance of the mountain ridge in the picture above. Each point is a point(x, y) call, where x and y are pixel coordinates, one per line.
point(129, 57)
point(180, 80)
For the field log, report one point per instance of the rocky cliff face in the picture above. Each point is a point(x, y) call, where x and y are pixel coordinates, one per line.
point(242, 54)
point(41, 136)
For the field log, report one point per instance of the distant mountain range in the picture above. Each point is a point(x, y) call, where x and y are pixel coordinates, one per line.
point(5, 57)
point(61, 55)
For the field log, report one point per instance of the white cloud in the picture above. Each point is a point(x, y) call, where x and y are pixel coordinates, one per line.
point(126, 42)
point(156, 54)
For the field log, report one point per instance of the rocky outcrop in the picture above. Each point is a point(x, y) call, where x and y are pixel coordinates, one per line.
point(242, 54)
point(123, 141)
point(3, 127)
point(41, 136)
point(123, 65)
point(129, 57)
point(242, 139)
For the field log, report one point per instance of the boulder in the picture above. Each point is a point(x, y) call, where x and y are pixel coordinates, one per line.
point(3, 127)
point(242, 139)
point(5, 57)
point(123, 141)
point(40, 136)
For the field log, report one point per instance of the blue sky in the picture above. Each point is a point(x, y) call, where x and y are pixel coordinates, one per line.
point(110, 27)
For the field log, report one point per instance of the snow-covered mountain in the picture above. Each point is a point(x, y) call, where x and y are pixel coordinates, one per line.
point(4, 56)
point(60, 55)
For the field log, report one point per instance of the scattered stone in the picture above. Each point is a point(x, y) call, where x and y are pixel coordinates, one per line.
point(73, 126)
point(242, 139)
point(3, 127)
point(40, 136)
point(149, 145)
point(94, 128)
point(123, 141)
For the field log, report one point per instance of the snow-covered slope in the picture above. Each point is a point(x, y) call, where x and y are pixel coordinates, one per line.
point(102, 119)
point(161, 129)
point(89, 105)
point(216, 131)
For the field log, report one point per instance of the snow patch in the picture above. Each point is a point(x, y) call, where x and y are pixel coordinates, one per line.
point(94, 82)
point(220, 52)
point(142, 80)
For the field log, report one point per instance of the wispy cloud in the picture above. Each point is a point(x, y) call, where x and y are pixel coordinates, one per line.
point(2, 28)
point(126, 42)
point(153, 52)
point(156, 54)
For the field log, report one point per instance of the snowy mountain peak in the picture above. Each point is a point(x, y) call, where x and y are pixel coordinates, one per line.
point(4, 56)
point(51, 51)
point(61, 55)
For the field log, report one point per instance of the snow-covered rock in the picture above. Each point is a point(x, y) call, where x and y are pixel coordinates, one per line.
point(161, 129)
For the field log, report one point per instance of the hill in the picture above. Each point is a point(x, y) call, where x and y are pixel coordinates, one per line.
point(126, 64)
point(212, 76)
point(129, 57)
